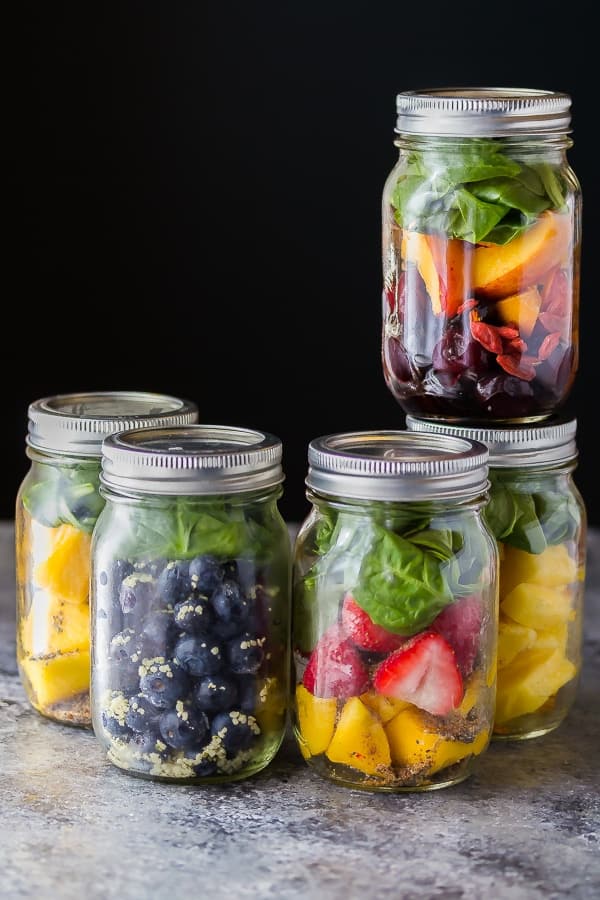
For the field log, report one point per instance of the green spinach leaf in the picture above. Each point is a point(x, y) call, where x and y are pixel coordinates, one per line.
point(65, 495)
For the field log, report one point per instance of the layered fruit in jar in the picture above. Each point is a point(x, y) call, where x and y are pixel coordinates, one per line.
point(481, 282)
point(542, 571)
point(56, 511)
point(394, 648)
point(190, 649)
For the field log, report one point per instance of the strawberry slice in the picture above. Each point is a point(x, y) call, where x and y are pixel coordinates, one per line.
point(335, 668)
point(424, 672)
point(460, 624)
point(363, 632)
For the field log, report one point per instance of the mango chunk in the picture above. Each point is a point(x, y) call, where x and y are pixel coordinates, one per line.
point(66, 569)
point(55, 626)
point(359, 740)
point(316, 719)
point(552, 568)
point(553, 638)
point(512, 639)
point(521, 310)
point(537, 606)
point(412, 745)
point(533, 677)
point(473, 689)
point(384, 707)
point(56, 678)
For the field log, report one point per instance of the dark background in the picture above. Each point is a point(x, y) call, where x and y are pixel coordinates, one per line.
point(194, 200)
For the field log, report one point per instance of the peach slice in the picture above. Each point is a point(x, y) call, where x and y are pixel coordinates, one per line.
point(506, 269)
point(521, 310)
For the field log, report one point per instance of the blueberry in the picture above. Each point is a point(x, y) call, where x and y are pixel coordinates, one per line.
point(245, 654)
point(123, 675)
point(204, 767)
point(173, 582)
point(199, 655)
point(193, 615)
point(215, 692)
point(158, 634)
point(121, 568)
point(244, 572)
point(122, 644)
point(205, 573)
point(137, 592)
point(231, 607)
point(183, 726)
point(112, 725)
point(163, 683)
point(141, 716)
point(150, 742)
point(247, 693)
point(236, 730)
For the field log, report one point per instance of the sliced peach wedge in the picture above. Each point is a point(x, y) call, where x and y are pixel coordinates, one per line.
point(444, 265)
point(508, 269)
point(521, 310)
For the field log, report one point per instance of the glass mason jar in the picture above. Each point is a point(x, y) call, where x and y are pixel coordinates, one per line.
point(395, 601)
point(481, 253)
point(57, 506)
point(538, 517)
point(191, 570)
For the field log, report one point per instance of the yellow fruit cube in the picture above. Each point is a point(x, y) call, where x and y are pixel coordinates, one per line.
point(56, 678)
point(532, 677)
point(512, 639)
point(384, 707)
point(316, 720)
point(412, 745)
point(538, 607)
point(66, 568)
point(359, 740)
point(521, 309)
point(552, 568)
point(553, 638)
point(54, 626)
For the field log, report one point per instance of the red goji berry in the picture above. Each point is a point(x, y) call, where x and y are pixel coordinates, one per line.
point(549, 345)
point(518, 368)
point(517, 345)
point(466, 306)
point(507, 331)
point(486, 336)
point(556, 299)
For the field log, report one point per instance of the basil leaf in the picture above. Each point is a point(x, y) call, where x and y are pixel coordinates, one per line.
point(552, 185)
point(501, 512)
point(511, 192)
point(400, 586)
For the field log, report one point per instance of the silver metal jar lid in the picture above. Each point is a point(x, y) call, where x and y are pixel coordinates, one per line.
point(482, 111)
point(516, 446)
point(191, 460)
point(77, 424)
point(396, 465)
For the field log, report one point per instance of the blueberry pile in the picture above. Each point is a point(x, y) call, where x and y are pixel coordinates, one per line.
point(186, 655)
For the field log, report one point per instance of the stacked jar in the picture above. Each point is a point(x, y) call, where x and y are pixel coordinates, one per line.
point(57, 506)
point(481, 253)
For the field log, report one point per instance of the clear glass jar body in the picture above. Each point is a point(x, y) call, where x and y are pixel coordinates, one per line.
point(372, 579)
point(539, 519)
point(57, 506)
point(481, 258)
point(190, 634)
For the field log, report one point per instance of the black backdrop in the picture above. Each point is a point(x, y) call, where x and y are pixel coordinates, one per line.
point(194, 200)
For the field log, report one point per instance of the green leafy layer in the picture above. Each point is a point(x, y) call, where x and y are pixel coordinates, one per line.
point(474, 192)
point(64, 495)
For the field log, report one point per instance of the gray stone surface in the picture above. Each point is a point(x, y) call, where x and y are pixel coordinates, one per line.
point(526, 825)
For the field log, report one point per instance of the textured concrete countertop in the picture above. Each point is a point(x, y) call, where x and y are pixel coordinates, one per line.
point(526, 825)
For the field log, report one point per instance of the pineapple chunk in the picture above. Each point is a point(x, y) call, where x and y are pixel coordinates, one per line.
point(411, 745)
point(66, 568)
point(384, 707)
point(54, 626)
point(552, 568)
point(533, 677)
point(512, 638)
point(359, 740)
point(538, 607)
point(56, 678)
point(316, 718)
point(553, 639)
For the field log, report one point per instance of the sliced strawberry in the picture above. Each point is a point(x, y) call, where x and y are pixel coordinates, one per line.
point(364, 633)
point(335, 668)
point(460, 624)
point(424, 672)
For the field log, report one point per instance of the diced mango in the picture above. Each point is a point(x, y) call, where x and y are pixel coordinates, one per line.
point(512, 639)
point(316, 719)
point(54, 626)
point(473, 689)
point(56, 678)
point(538, 607)
point(553, 638)
point(552, 568)
point(384, 707)
point(532, 677)
point(66, 569)
point(359, 740)
point(412, 745)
